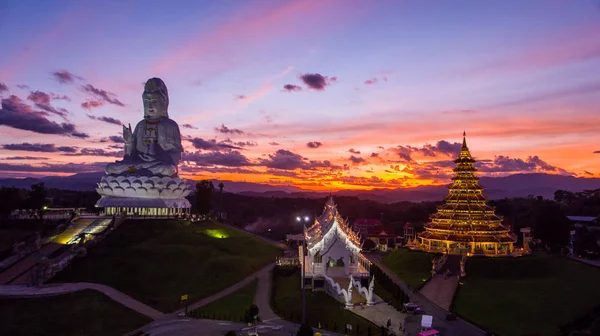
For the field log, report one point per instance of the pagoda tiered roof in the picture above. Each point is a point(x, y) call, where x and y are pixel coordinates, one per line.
point(465, 216)
point(330, 224)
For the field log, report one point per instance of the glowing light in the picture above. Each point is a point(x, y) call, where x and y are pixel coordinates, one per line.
point(306, 218)
point(216, 233)
point(298, 218)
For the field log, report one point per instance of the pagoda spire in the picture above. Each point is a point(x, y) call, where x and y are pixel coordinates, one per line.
point(464, 145)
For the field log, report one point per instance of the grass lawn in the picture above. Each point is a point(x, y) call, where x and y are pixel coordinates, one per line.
point(81, 313)
point(286, 301)
point(411, 266)
point(10, 236)
point(157, 261)
point(532, 294)
point(231, 307)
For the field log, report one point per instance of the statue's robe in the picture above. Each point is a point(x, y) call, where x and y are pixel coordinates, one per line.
point(155, 146)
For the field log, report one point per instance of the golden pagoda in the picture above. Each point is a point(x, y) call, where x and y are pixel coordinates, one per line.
point(465, 224)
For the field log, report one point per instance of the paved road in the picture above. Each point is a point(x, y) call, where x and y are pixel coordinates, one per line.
point(447, 328)
point(58, 289)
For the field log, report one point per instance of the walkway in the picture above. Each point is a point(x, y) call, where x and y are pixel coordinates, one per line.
point(64, 288)
point(24, 265)
point(447, 328)
point(587, 261)
point(228, 290)
point(440, 290)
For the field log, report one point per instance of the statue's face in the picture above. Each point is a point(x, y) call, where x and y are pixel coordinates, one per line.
point(154, 105)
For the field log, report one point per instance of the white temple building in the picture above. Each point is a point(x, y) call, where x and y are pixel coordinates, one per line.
point(333, 256)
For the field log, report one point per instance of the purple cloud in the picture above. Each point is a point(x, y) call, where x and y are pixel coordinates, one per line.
point(353, 151)
point(292, 88)
point(189, 126)
point(211, 145)
point(16, 114)
point(356, 159)
point(25, 158)
point(92, 103)
point(231, 158)
point(64, 76)
point(42, 101)
point(3, 87)
point(226, 130)
point(317, 81)
point(314, 144)
point(38, 147)
point(103, 95)
point(106, 119)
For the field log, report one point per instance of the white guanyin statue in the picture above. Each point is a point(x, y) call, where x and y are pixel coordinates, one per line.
point(152, 153)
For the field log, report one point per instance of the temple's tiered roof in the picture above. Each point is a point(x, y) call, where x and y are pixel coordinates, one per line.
point(465, 216)
point(328, 226)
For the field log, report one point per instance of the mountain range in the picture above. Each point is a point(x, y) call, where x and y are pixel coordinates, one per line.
point(518, 185)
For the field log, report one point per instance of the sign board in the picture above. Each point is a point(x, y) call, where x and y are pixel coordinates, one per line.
point(184, 297)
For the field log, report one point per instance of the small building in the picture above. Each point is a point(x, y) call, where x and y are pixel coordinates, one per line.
point(372, 229)
point(333, 250)
point(589, 222)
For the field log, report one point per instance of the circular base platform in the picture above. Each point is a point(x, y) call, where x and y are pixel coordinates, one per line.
point(134, 202)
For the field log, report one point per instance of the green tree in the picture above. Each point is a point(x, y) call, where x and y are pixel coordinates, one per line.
point(204, 193)
point(11, 200)
point(36, 198)
point(551, 225)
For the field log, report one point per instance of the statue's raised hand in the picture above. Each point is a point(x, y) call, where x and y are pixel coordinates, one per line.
point(127, 134)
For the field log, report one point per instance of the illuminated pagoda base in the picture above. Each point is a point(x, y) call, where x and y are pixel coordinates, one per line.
point(465, 224)
point(145, 207)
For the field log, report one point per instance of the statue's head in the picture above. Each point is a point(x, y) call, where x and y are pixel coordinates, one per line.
point(156, 99)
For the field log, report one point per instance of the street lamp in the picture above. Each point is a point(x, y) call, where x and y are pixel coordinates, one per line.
point(306, 219)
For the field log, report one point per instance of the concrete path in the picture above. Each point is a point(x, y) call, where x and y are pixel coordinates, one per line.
point(263, 296)
point(64, 288)
point(447, 328)
point(226, 291)
point(587, 261)
point(440, 290)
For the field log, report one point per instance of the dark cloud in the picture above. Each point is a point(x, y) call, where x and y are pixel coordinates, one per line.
point(314, 144)
point(116, 138)
point(106, 119)
point(230, 159)
point(25, 158)
point(588, 173)
point(54, 168)
point(15, 113)
point(103, 95)
point(96, 152)
point(3, 87)
point(211, 145)
point(317, 81)
point(23, 86)
point(273, 143)
point(42, 101)
point(356, 159)
point(505, 164)
point(226, 130)
point(287, 160)
point(371, 81)
point(374, 154)
point(284, 159)
point(353, 151)
point(292, 88)
point(64, 77)
point(38, 147)
point(240, 97)
point(189, 126)
point(441, 147)
point(91, 104)
point(597, 152)
point(245, 143)
point(81, 135)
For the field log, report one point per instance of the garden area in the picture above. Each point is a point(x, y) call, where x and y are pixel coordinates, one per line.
point(411, 266)
point(233, 307)
point(76, 314)
point(157, 261)
point(529, 295)
point(286, 301)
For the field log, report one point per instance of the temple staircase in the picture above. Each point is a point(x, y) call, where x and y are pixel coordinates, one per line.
point(344, 282)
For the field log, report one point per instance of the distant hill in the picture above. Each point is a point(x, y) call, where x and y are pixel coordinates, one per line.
point(518, 185)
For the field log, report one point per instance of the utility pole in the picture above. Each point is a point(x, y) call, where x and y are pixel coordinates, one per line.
point(221, 186)
point(303, 291)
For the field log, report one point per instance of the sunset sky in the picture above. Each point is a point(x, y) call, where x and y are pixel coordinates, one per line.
point(318, 94)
